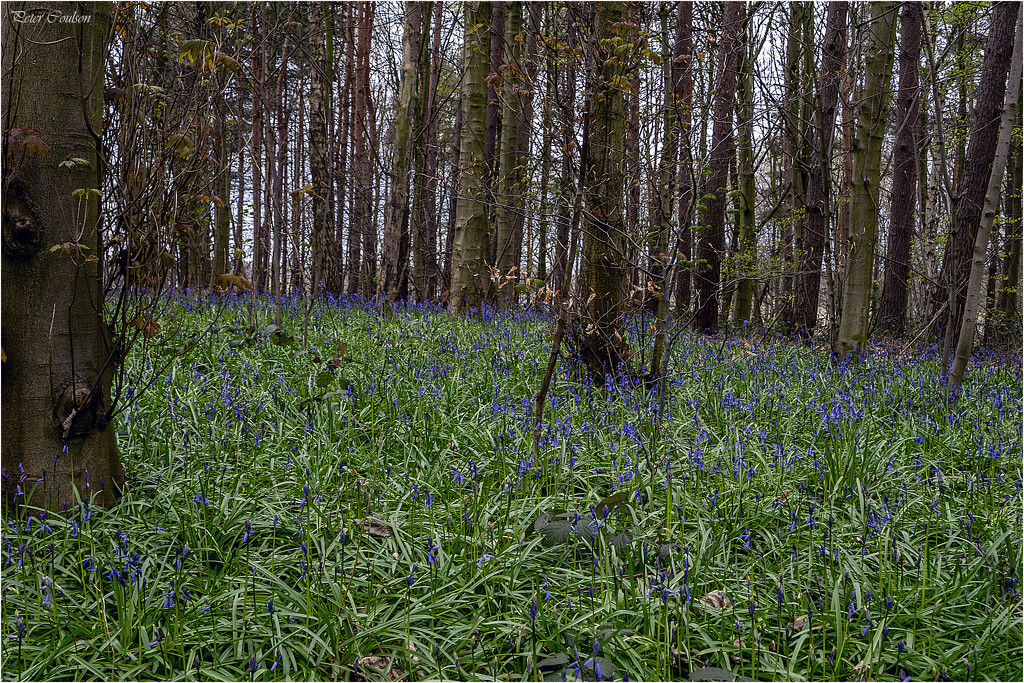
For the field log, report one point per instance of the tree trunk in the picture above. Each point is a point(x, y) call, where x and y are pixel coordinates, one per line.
point(425, 254)
point(1008, 303)
point(222, 189)
point(508, 200)
point(972, 302)
point(746, 258)
point(682, 88)
point(602, 269)
point(866, 154)
point(892, 310)
point(808, 281)
point(493, 121)
point(396, 212)
point(364, 136)
point(470, 274)
point(58, 441)
point(973, 181)
point(712, 236)
point(453, 203)
point(799, 71)
point(325, 265)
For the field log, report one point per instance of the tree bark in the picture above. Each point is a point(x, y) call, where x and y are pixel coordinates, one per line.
point(470, 274)
point(425, 230)
point(508, 200)
point(746, 258)
point(1008, 301)
point(325, 265)
point(58, 440)
point(892, 310)
point(973, 181)
point(602, 269)
point(682, 87)
point(712, 235)
point(866, 153)
point(818, 211)
point(972, 300)
point(396, 212)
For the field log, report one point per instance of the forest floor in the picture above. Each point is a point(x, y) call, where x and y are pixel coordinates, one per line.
point(371, 507)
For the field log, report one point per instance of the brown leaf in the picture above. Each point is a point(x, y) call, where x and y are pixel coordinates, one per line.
point(716, 599)
point(376, 525)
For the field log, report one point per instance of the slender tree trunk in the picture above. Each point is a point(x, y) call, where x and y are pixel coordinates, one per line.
point(470, 274)
point(396, 213)
point(493, 129)
point(747, 255)
point(566, 100)
point(866, 156)
point(682, 85)
point(1008, 304)
point(712, 237)
point(453, 202)
point(550, 73)
point(808, 282)
point(325, 264)
point(364, 142)
point(972, 302)
point(59, 444)
point(222, 189)
point(260, 242)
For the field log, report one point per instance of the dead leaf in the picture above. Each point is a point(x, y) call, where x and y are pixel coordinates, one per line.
point(376, 525)
point(717, 599)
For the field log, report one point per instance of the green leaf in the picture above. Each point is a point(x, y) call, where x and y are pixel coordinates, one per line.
point(621, 541)
point(712, 673)
point(324, 378)
point(554, 661)
point(556, 531)
point(620, 498)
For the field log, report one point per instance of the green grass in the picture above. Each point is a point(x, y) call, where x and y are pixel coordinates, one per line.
point(859, 525)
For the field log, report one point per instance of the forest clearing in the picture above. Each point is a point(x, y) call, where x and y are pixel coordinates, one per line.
point(512, 341)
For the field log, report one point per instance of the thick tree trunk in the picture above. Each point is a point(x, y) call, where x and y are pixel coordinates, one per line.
point(892, 310)
point(972, 300)
point(508, 199)
point(602, 269)
point(866, 156)
point(712, 236)
point(816, 218)
point(58, 440)
point(470, 274)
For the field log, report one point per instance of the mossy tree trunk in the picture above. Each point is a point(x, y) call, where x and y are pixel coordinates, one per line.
point(866, 154)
